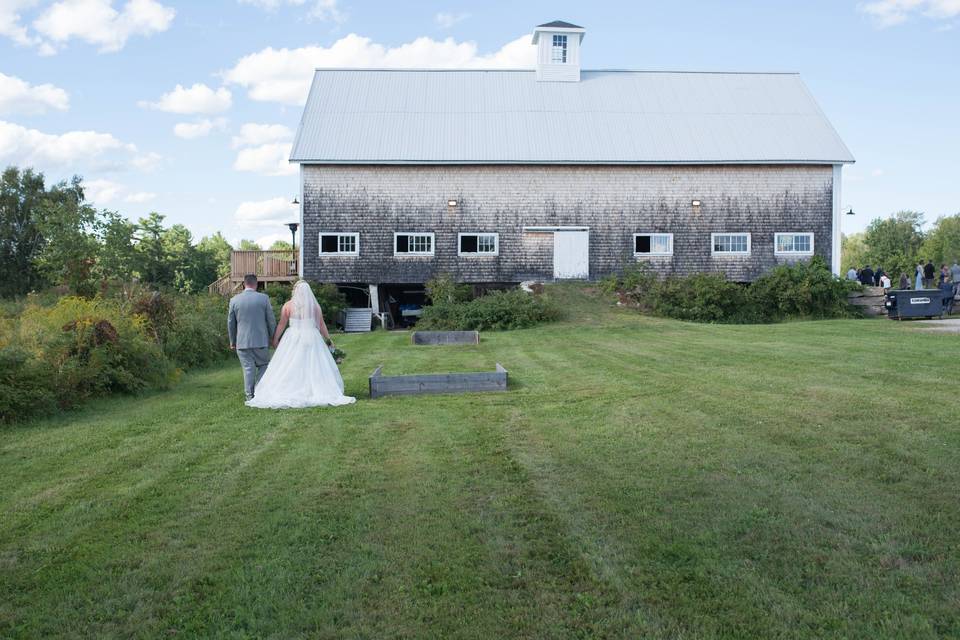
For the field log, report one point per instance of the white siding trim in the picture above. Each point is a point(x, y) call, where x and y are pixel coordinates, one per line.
point(433, 243)
point(477, 254)
point(777, 235)
point(346, 254)
point(303, 227)
point(837, 216)
point(652, 253)
point(731, 253)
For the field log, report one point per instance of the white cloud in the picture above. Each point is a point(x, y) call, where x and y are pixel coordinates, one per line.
point(253, 134)
point(101, 192)
point(447, 20)
point(888, 13)
point(323, 10)
point(147, 161)
point(267, 241)
point(264, 149)
point(75, 150)
point(140, 196)
point(199, 129)
point(268, 159)
point(876, 173)
point(196, 99)
point(264, 213)
point(19, 96)
point(284, 75)
point(98, 23)
point(10, 25)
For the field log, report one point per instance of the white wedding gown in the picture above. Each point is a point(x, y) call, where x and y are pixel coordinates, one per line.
point(302, 372)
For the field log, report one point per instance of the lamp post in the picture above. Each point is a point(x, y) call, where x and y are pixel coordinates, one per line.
point(293, 235)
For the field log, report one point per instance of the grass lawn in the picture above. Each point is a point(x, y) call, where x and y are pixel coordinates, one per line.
point(641, 478)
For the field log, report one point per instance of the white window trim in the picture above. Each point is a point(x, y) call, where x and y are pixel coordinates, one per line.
point(479, 254)
point(776, 243)
point(433, 243)
point(352, 254)
point(713, 237)
point(652, 253)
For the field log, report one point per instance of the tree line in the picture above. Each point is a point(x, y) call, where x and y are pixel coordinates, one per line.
point(50, 236)
point(898, 243)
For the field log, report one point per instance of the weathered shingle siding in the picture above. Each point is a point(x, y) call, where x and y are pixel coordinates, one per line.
point(614, 201)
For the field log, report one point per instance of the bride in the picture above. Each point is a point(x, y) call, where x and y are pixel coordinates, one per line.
point(302, 372)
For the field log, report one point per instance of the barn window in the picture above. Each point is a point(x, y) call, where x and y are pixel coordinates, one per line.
point(793, 243)
point(413, 244)
point(338, 243)
point(653, 244)
point(730, 243)
point(558, 53)
point(486, 244)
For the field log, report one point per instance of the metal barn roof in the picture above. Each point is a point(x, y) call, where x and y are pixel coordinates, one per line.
point(396, 116)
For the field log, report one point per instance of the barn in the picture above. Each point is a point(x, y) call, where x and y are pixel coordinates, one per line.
point(504, 176)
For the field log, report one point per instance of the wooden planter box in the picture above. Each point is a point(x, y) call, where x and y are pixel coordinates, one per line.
point(381, 385)
point(446, 337)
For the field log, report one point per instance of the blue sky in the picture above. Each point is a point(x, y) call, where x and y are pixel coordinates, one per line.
point(91, 86)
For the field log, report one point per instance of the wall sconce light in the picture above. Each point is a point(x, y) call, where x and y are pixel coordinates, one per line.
point(451, 203)
point(850, 211)
point(695, 203)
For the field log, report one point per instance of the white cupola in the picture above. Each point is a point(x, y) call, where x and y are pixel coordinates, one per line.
point(558, 51)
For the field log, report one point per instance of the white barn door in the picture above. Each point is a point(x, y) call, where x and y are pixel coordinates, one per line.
point(571, 254)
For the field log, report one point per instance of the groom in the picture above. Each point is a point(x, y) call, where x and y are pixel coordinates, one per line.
point(251, 323)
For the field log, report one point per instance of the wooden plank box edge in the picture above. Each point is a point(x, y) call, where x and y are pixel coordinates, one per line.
point(418, 384)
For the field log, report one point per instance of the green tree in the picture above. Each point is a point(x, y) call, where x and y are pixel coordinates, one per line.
point(117, 257)
point(942, 244)
point(215, 253)
point(853, 251)
point(894, 243)
point(21, 238)
point(281, 245)
point(249, 245)
point(151, 253)
point(70, 244)
point(181, 258)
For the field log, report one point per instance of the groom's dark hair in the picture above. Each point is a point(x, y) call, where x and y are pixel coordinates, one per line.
point(250, 280)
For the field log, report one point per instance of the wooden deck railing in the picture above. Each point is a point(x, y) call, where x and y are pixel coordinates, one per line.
point(279, 265)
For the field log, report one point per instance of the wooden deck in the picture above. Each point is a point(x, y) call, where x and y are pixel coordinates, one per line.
point(269, 266)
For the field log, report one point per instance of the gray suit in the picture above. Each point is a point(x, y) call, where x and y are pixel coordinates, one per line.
point(251, 323)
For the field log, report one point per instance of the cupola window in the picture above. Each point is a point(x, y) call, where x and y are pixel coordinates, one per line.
point(558, 54)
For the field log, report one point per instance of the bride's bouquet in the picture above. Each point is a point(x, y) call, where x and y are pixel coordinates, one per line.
point(338, 354)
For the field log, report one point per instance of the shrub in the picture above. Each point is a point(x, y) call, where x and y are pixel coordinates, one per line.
point(701, 297)
point(331, 301)
point(93, 349)
point(63, 351)
point(444, 289)
point(634, 285)
point(498, 310)
point(26, 385)
point(158, 313)
point(197, 336)
point(805, 290)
